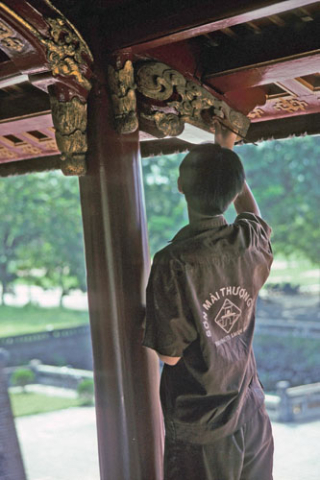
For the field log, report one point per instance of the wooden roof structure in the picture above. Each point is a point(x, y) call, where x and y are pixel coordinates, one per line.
point(89, 86)
point(260, 59)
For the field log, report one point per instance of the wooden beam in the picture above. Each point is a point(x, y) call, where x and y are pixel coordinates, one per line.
point(26, 100)
point(268, 130)
point(26, 124)
point(167, 146)
point(140, 28)
point(273, 44)
point(284, 128)
point(268, 72)
point(34, 165)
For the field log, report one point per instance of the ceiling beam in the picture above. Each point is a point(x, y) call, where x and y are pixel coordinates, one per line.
point(26, 123)
point(24, 100)
point(33, 165)
point(166, 146)
point(265, 73)
point(139, 28)
point(299, 39)
point(283, 128)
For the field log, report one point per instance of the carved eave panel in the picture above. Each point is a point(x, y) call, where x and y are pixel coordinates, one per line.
point(48, 52)
point(289, 98)
point(44, 42)
point(167, 101)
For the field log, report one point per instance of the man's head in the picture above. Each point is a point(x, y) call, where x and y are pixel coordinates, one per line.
point(210, 178)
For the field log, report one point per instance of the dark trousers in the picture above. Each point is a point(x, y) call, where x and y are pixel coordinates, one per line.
point(245, 455)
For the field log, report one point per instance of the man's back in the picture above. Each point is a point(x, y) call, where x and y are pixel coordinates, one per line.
point(201, 299)
point(200, 320)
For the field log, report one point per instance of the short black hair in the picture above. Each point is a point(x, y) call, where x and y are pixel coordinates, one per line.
point(211, 177)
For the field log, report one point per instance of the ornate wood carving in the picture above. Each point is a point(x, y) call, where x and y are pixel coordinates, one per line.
point(8, 40)
point(67, 53)
point(256, 113)
point(68, 59)
point(122, 87)
point(70, 121)
point(159, 82)
point(290, 105)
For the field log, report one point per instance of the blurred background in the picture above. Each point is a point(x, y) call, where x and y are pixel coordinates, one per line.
point(44, 323)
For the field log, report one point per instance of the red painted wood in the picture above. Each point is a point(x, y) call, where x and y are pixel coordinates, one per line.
point(126, 374)
point(32, 60)
point(284, 128)
point(141, 29)
point(20, 125)
point(266, 73)
point(183, 57)
point(8, 69)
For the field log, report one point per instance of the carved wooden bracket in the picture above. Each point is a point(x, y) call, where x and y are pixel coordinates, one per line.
point(123, 96)
point(186, 100)
point(52, 52)
point(70, 122)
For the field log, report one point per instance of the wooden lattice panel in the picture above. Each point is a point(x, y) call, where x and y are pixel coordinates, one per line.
point(25, 145)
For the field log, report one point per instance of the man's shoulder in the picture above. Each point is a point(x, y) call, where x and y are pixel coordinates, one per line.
point(165, 255)
point(257, 223)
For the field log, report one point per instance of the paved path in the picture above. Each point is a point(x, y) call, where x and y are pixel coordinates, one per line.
point(62, 446)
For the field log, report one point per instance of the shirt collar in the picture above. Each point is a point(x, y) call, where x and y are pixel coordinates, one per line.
point(198, 225)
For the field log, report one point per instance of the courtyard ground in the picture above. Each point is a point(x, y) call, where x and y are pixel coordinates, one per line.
point(63, 446)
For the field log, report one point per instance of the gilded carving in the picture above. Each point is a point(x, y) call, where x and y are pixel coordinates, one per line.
point(169, 124)
point(70, 122)
point(123, 96)
point(49, 145)
point(256, 113)
point(8, 39)
point(159, 82)
point(65, 47)
point(28, 149)
point(5, 153)
point(290, 105)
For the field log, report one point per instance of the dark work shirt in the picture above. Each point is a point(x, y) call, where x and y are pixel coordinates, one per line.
point(201, 300)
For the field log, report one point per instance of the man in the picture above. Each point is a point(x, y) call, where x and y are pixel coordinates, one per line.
point(200, 320)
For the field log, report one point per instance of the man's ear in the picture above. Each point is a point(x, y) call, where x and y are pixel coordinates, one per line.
point(180, 185)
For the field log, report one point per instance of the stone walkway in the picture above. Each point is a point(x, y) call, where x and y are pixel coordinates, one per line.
point(63, 446)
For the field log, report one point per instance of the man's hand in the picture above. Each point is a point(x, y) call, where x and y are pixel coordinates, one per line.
point(223, 136)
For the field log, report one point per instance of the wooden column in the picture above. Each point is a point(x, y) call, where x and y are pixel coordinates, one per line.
point(126, 374)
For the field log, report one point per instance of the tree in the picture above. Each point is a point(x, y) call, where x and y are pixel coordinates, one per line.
point(41, 232)
point(165, 206)
point(85, 391)
point(22, 377)
point(284, 176)
point(62, 251)
point(20, 223)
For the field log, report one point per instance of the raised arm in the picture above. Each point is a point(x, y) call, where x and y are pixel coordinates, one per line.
point(245, 201)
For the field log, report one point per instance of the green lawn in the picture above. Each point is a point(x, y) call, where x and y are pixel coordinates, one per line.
point(30, 319)
point(295, 272)
point(33, 403)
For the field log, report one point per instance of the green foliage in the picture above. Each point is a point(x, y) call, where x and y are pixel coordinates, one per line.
point(41, 239)
point(165, 206)
point(85, 391)
point(22, 377)
point(284, 176)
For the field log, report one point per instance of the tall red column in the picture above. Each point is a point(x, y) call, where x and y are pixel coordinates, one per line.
point(126, 374)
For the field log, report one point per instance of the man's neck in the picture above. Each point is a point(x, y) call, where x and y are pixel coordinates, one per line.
point(195, 217)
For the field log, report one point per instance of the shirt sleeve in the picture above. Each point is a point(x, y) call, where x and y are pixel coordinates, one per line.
point(169, 326)
point(257, 229)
